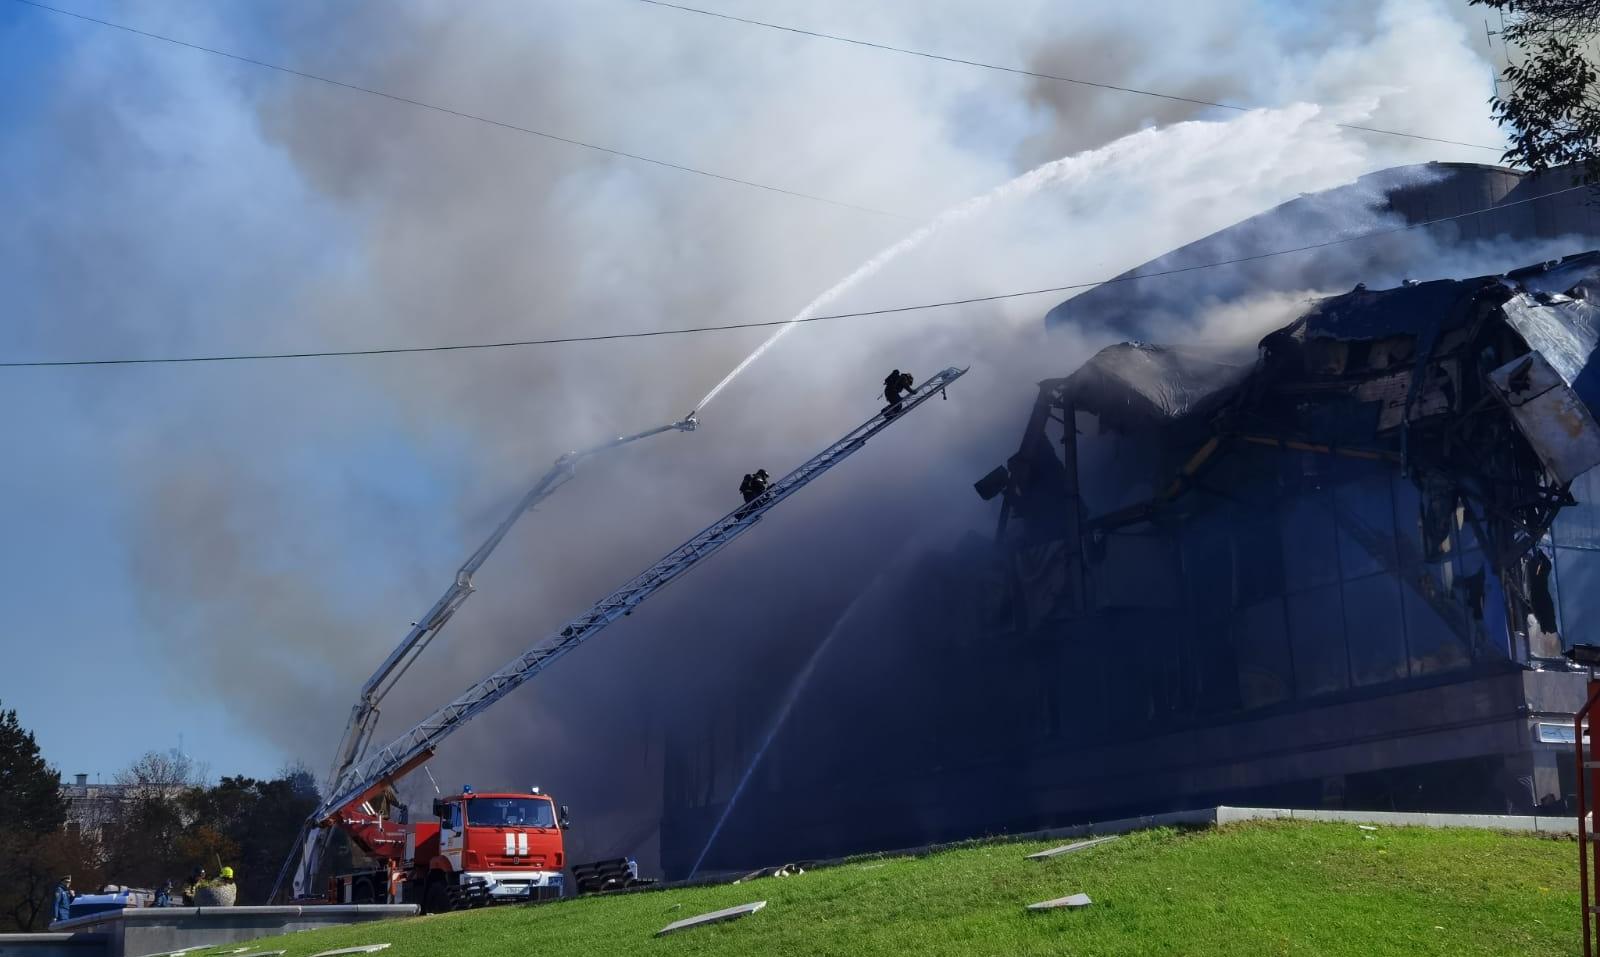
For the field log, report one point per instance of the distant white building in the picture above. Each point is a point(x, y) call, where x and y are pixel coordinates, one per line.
point(91, 806)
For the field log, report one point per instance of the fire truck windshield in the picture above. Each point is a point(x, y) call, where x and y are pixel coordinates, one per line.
point(510, 812)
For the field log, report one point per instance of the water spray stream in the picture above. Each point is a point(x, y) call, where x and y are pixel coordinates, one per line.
point(779, 719)
point(1024, 185)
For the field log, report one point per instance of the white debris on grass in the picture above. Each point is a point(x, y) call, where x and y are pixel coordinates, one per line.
point(1070, 848)
point(1073, 902)
point(363, 949)
point(715, 917)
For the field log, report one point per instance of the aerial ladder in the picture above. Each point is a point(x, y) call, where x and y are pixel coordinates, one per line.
point(364, 715)
point(362, 779)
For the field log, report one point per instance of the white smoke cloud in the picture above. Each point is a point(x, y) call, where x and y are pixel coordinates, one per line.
point(287, 520)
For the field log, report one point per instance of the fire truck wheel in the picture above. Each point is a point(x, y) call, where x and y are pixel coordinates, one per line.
point(437, 898)
point(362, 892)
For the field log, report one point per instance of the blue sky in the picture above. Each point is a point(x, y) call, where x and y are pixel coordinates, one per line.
point(124, 161)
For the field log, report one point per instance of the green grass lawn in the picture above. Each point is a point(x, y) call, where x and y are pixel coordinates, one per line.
point(1249, 890)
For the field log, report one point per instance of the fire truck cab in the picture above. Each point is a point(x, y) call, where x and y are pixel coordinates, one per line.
point(487, 848)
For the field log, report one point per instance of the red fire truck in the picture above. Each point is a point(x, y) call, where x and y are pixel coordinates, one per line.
point(478, 848)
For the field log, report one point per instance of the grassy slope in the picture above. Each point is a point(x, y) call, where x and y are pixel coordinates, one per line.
point(1252, 889)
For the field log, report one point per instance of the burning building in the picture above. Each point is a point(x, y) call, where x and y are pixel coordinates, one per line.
point(1340, 572)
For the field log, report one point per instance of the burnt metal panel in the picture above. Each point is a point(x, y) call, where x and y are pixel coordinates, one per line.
point(1550, 415)
point(1363, 314)
point(1565, 331)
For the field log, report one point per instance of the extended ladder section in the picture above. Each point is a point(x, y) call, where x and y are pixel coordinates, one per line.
point(364, 715)
point(427, 735)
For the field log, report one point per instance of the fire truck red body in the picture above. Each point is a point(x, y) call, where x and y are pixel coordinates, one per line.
point(478, 848)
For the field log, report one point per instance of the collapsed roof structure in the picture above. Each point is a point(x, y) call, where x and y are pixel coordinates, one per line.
point(1482, 391)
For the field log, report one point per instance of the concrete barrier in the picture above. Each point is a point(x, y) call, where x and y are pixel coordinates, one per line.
point(142, 931)
point(1485, 822)
point(67, 944)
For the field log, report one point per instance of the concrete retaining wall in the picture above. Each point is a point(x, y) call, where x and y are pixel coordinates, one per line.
point(1231, 815)
point(1487, 822)
point(142, 931)
point(78, 944)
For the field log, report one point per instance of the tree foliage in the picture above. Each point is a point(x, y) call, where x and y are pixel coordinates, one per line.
point(260, 819)
point(171, 822)
point(162, 821)
point(1551, 104)
point(30, 790)
point(33, 865)
point(35, 850)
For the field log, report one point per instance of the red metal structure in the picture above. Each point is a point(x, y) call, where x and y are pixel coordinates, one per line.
point(1588, 762)
point(479, 848)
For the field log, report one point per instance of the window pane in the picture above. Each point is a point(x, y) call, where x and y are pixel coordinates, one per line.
point(1366, 527)
point(1257, 555)
point(1215, 677)
point(1372, 627)
point(1436, 620)
point(1208, 565)
point(1316, 630)
point(1407, 518)
point(1262, 651)
point(1577, 577)
point(1310, 550)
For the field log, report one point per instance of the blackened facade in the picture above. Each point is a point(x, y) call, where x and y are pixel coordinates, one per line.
point(1340, 573)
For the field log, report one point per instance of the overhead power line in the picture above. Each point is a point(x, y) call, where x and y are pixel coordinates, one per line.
point(1078, 81)
point(460, 114)
point(691, 330)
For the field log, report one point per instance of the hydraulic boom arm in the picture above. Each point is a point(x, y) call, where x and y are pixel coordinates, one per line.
point(425, 738)
point(364, 716)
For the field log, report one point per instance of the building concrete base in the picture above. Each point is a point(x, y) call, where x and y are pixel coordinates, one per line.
point(67, 944)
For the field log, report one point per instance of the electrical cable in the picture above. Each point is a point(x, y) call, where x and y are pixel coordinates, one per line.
point(889, 48)
point(691, 330)
point(395, 97)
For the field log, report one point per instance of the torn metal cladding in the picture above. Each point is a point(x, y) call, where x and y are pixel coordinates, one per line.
point(1551, 416)
point(1484, 391)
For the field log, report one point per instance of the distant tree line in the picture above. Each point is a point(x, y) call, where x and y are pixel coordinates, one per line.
point(165, 821)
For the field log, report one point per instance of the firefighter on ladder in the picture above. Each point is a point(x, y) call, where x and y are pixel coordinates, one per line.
point(895, 387)
point(753, 487)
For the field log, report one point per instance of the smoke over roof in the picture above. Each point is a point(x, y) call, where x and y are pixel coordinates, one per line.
point(274, 527)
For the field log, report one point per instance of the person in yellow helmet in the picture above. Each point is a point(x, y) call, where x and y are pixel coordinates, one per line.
point(219, 893)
